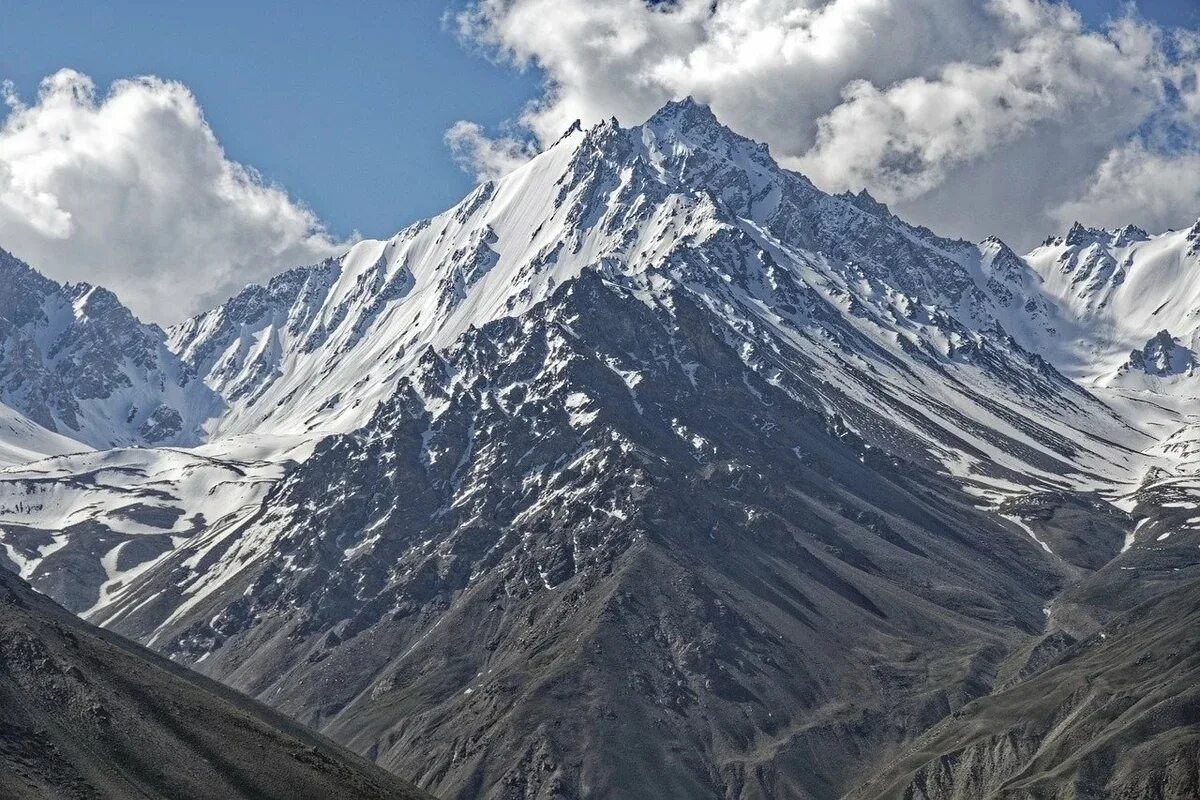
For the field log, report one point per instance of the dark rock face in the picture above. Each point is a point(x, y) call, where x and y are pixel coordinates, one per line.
point(1084, 531)
point(85, 714)
point(1115, 715)
point(1193, 238)
point(162, 425)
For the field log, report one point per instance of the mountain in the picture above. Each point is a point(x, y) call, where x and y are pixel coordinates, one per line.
point(1129, 290)
point(85, 714)
point(74, 361)
point(1118, 317)
point(1115, 715)
point(646, 470)
point(884, 312)
point(698, 563)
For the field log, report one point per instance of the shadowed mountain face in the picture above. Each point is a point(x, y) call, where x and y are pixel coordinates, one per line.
point(85, 714)
point(575, 560)
point(1114, 715)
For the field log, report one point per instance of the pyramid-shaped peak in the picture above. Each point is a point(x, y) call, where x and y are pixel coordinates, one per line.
point(1128, 235)
point(999, 245)
point(865, 201)
point(683, 114)
point(573, 128)
point(694, 122)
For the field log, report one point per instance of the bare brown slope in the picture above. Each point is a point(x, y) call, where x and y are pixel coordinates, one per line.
point(86, 714)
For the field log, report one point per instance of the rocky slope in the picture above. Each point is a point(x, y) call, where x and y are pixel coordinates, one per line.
point(84, 714)
point(1114, 715)
point(73, 360)
point(698, 563)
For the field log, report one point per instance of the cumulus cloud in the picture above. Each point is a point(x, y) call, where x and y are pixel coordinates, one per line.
point(1158, 190)
point(483, 156)
point(906, 139)
point(1153, 178)
point(973, 116)
point(132, 190)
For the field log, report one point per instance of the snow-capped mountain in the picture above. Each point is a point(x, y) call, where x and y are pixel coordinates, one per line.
point(75, 361)
point(1115, 310)
point(652, 434)
point(1130, 292)
point(883, 312)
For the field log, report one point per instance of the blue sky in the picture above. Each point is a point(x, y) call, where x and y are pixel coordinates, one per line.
point(347, 110)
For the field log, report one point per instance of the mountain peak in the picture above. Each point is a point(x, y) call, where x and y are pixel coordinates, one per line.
point(1080, 234)
point(688, 126)
point(79, 363)
point(573, 128)
point(683, 114)
point(1129, 234)
point(998, 245)
point(865, 201)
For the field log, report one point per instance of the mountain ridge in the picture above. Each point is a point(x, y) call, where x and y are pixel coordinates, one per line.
point(79, 363)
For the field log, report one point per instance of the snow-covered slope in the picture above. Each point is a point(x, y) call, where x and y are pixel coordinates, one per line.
point(1123, 290)
point(891, 317)
point(82, 527)
point(77, 362)
point(1116, 311)
point(22, 440)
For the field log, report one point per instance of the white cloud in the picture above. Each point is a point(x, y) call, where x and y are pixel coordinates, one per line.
point(973, 116)
point(485, 157)
point(1152, 179)
point(1154, 190)
point(133, 191)
point(906, 139)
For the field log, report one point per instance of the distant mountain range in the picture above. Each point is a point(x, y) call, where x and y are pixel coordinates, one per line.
point(648, 470)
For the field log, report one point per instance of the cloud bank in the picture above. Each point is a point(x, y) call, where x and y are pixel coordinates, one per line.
point(132, 190)
point(973, 116)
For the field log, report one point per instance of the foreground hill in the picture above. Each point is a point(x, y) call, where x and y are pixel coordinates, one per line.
point(85, 714)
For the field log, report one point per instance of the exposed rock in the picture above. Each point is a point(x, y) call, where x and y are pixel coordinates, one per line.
point(1115, 716)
